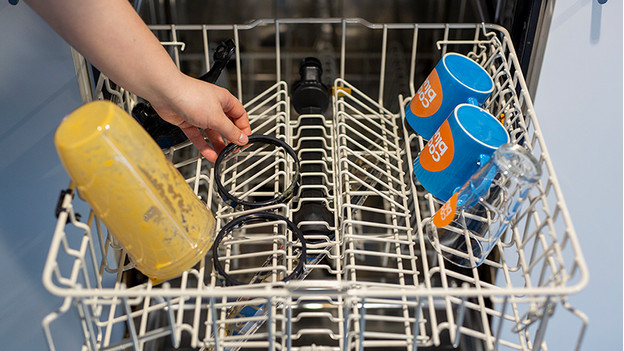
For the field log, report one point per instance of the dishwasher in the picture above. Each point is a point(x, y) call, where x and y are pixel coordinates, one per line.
point(370, 280)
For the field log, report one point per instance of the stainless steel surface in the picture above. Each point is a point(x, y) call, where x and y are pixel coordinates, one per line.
point(527, 21)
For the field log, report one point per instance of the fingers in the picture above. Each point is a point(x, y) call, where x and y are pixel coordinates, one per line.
point(196, 137)
point(238, 127)
point(215, 139)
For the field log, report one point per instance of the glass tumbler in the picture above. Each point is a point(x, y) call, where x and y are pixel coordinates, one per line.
point(468, 226)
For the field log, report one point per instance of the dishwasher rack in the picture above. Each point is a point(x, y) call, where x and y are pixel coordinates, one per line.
point(374, 281)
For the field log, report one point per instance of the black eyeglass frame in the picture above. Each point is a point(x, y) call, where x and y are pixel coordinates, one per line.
point(257, 218)
point(234, 201)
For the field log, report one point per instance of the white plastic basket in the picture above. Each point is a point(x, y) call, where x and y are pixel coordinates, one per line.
point(376, 283)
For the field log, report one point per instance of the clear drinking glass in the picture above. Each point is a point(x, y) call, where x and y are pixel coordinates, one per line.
point(468, 226)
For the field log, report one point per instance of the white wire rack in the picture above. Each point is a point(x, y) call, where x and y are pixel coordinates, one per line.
point(373, 282)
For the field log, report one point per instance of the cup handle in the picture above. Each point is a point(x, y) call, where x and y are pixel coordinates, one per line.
point(473, 101)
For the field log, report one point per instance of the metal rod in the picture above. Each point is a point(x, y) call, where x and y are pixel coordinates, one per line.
point(500, 323)
point(541, 329)
point(413, 61)
point(459, 321)
point(239, 80)
point(382, 71)
point(215, 326)
point(175, 339)
point(362, 324)
point(415, 330)
point(130, 323)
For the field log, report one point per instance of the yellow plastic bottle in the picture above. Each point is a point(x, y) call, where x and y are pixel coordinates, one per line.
point(135, 190)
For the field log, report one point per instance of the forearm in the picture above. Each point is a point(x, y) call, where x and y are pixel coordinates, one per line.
point(114, 39)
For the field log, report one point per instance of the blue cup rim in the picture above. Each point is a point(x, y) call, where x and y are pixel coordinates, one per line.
point(488, 91)
point(489, 115)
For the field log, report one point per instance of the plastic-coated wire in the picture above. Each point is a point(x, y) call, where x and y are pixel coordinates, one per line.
point(255, 218)
point(232, 200)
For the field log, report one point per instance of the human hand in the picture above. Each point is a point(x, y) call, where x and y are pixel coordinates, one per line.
point(195, 106)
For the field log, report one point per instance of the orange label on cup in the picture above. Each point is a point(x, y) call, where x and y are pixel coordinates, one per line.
point(439, 150)
point(446, 213)
point(428, 98)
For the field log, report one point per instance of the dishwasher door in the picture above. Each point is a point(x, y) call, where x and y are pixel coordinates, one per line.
point(372, 280)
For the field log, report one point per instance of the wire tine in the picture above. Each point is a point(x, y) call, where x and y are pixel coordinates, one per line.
point(500, 323)
point(459, 321)
point(245, 151)
point(362, 324)
point(415, 332)
point(215, 326)
point(130, 323)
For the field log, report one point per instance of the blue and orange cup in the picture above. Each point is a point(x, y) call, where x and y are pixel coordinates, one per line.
point(456, 79)
point(464, 142)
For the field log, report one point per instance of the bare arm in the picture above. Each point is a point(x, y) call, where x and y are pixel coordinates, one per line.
point(115, 39)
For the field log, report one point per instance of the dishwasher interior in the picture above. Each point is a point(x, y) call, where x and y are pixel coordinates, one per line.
point(368, 277)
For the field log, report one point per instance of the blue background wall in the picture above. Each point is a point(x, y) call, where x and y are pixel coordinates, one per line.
point(579, 105)
point(38, 87)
